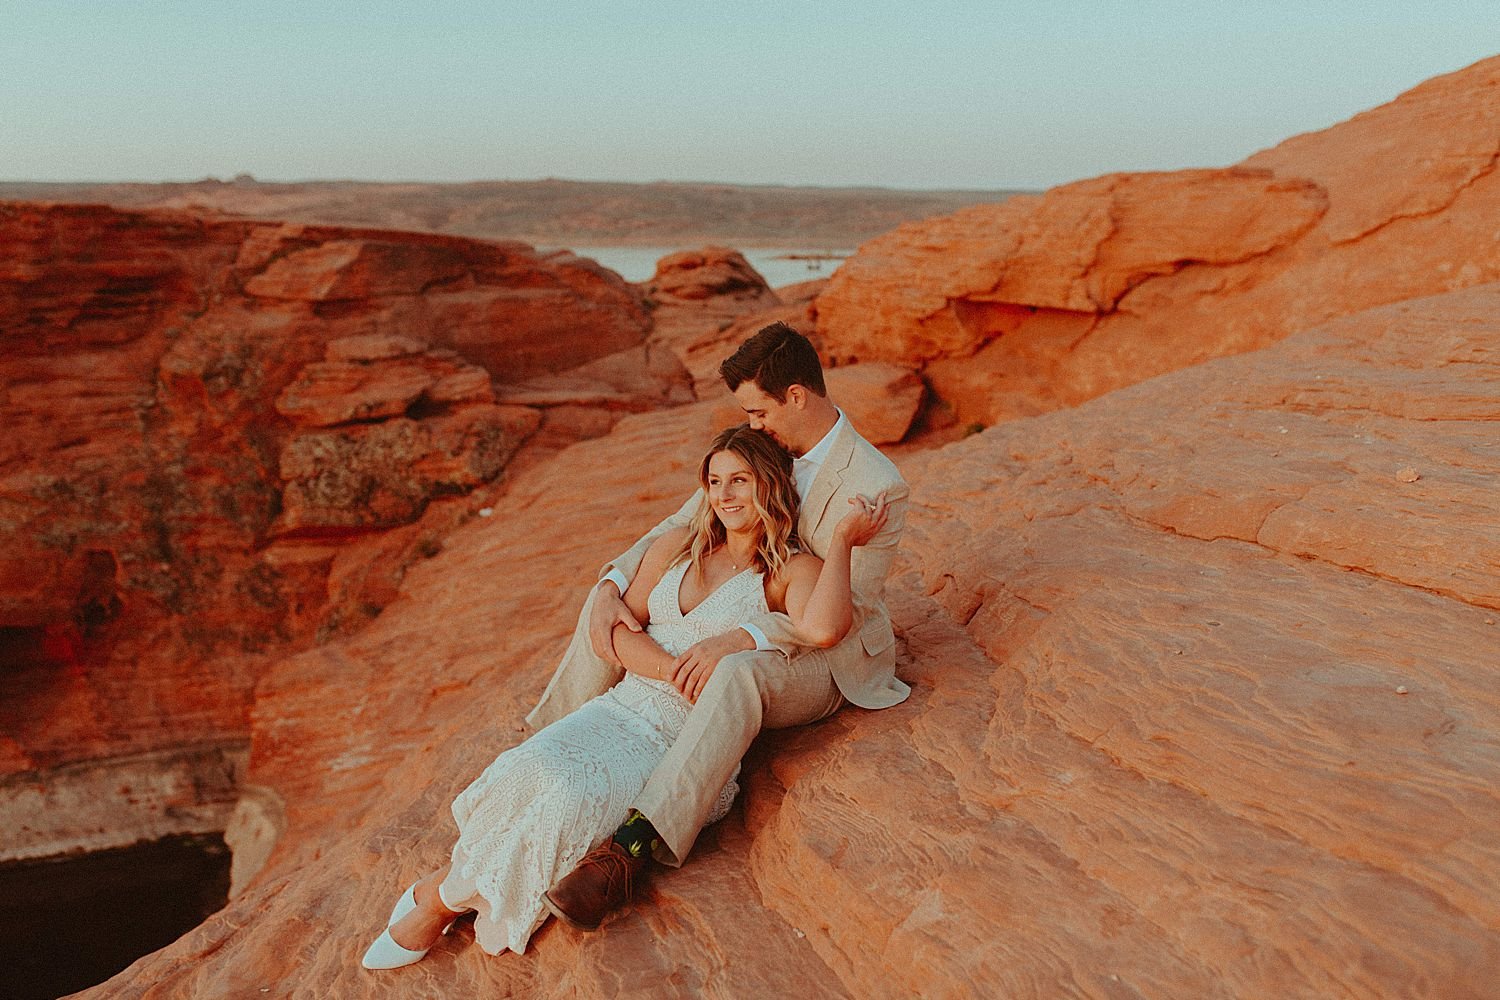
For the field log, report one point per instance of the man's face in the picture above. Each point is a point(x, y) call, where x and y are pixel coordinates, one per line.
point(765, 414)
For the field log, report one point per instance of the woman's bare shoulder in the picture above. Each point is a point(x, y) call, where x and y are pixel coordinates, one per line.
point(654, 564)
point(803, 565)
point(671, 539)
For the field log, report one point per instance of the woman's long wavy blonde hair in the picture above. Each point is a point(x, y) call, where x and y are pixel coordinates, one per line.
point(776, 503)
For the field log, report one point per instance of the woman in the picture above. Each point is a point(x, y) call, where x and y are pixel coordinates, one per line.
point(542, 805)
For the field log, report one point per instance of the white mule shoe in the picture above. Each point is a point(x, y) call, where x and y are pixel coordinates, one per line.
point(408, 902)
point(404, 905)
point(385, 953)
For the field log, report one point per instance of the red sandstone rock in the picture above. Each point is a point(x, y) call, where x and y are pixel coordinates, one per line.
point(695, 296)
point(374, 347)
point(141, 471)
point(710, 273)
point(349, 387)
point(880, 400)
point(802, 291)
point(1155, 741)
point(358, 269)
point(335, 393)
point(704, 350)
point(1158, 743)
point(379, 475)
point(1022, 307)
point(643, 378)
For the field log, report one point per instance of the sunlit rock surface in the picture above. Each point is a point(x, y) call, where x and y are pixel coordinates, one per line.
point(1045, 301)
point(1203, 706)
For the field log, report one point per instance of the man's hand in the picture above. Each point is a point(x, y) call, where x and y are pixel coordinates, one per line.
point(608, 610)
point(691, 670)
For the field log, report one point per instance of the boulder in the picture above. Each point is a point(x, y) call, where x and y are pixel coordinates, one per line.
point(880, 400)
point(696, 295)
point(710, 273)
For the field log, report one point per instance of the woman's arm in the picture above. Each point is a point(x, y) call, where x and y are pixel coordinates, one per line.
point(609, 597)
point(638, 652)
point(821, 607)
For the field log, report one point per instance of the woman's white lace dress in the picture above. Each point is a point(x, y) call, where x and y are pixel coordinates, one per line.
point(541, 806)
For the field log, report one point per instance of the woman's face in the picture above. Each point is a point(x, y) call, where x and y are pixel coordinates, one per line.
point(731, 491)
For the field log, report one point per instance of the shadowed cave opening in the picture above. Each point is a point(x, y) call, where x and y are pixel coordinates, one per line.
point(23, 646)
point(71, 922)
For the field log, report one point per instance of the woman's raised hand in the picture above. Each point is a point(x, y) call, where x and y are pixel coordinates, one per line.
point(865, 521)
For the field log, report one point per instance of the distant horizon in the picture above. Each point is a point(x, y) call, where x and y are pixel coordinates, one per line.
point(960, 95)
point(269, 182)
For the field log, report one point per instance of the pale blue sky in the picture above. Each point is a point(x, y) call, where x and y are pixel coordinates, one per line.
point(938, 94)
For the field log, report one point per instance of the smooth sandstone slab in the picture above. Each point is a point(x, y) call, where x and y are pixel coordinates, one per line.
point(1150, 751)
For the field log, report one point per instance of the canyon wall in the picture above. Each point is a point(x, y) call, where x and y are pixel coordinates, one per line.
point(226, 440)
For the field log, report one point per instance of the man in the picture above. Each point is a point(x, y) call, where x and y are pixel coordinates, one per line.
point(751, 677)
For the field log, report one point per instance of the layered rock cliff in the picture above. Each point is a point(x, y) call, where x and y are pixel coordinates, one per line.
point(212, 429)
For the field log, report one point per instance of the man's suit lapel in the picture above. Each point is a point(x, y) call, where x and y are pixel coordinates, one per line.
point(825, 484)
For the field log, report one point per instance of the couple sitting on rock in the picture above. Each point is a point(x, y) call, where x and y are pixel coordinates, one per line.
point(757, 611)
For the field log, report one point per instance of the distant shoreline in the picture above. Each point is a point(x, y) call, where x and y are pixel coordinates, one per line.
point(215, 182)
point(778, 265)
point(547, 212)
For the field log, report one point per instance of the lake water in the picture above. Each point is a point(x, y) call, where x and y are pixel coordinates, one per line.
point(639, 263)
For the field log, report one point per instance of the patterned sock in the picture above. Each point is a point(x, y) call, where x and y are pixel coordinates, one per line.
point(637, 835)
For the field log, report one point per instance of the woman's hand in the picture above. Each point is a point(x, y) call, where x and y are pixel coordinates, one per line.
point(690, 672)
point(864, 522)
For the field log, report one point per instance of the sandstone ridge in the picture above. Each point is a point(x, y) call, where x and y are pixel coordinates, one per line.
point(1046, 301)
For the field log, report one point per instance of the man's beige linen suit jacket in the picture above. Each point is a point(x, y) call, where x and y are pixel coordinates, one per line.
point(863, 665)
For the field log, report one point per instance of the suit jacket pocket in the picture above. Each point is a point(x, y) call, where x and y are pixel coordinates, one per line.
point(877, 636)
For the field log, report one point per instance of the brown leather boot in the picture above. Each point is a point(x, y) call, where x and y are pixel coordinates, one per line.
point(601, 884)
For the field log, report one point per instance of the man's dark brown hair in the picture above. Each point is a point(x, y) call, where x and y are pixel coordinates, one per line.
point(775, 359)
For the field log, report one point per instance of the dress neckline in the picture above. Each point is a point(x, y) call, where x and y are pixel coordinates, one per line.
point(677, 590)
